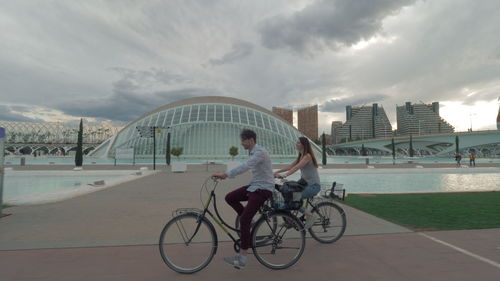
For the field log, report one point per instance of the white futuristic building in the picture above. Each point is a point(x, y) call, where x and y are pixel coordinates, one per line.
point(206, 127)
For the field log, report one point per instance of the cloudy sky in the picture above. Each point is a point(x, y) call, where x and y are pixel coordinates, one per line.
point(116, 60)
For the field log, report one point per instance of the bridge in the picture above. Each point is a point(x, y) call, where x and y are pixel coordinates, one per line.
point(52, 138)
point(481, 143)
point(37, 149)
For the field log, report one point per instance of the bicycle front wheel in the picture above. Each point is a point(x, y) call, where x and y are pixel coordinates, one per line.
point(188, 243)
point(330, 222)
point(278, 240)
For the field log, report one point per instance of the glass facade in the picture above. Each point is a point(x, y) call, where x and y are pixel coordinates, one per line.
point(206, 131)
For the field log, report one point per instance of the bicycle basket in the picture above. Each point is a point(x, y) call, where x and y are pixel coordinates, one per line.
point(335, 191)
point(289, 197)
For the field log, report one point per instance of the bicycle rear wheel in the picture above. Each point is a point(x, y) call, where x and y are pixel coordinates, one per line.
point(330, 222)
point(188, 243)
point(278, 240)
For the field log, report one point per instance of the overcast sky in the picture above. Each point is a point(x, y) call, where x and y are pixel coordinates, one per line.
point(116, 60)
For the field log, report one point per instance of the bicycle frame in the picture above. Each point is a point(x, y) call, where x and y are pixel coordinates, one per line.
point(217, 218)
point(264, 241)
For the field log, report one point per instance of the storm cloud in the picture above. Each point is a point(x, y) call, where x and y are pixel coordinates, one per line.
point(239, 51)
point(338, 105)
point(331, 23)
point(117, 60)
point(126, 106)
point(15, 113)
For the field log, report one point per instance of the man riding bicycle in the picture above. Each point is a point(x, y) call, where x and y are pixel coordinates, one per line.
point(255, 193)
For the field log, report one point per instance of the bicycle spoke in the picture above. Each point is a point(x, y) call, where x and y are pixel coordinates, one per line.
point(187, 244)
point(182, 231)
point(284, 244)
point(330, 223)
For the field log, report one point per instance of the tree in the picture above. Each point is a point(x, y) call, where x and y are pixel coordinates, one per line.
point(233, 151)
point(393, 147)
point(363, 150)
point(411, 146)
point(177, 151)
point(167, 155)
point(79, 146)
point(323, 148)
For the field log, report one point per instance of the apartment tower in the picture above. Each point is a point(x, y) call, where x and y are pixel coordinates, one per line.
point(365, 122)
point(335, 132)
point(421, 119)
point(308, 121)
point(285, 114)
point(498, 118)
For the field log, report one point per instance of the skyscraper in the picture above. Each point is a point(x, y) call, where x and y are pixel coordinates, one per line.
point(498, 118)
point(420, 119)
point(308, 121)
point(284, 113)
point(335, 132)
point(365, 122)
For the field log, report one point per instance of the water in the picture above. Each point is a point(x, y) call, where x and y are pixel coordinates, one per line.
point(418, 181)
point(161, 161)
point(36, 187)
point(22, 187)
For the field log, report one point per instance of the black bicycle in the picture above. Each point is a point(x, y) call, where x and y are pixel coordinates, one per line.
point(329, 218)
point(188, 242)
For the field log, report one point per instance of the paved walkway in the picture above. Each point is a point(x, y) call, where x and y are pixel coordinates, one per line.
point(111, 235)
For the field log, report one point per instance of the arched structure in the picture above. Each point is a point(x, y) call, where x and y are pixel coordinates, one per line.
point(481, 143)
point(54, 138)
point(206, 127)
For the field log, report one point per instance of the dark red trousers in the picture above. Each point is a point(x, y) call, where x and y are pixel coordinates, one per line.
point(254, 201)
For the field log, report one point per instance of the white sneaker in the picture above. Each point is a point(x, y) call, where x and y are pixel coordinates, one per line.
point(238, 261)
point(309, 221)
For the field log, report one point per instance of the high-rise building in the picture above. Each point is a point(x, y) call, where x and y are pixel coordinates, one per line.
point(284, 113)
point(420, 119)
point(308, 121)
point(365, 122)
point(328, 139)
point(335, 132)
point(498, 118)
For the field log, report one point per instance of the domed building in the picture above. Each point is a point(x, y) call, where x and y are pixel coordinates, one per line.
point(206, 127)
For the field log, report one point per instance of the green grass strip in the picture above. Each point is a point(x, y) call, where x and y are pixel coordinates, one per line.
point(433, 211)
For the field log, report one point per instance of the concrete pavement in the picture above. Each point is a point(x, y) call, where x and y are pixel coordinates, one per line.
point(112, 235)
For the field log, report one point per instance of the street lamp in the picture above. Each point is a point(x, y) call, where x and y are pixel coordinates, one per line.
point(470, 118)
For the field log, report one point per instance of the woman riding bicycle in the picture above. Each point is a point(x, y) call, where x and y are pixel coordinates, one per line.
point(308, 166)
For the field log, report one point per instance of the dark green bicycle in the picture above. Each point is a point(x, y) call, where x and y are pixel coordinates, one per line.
point(329, 218)
point(188, 242)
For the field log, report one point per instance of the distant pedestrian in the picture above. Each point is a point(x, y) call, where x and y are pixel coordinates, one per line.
point(472, 160)
point(458, 158)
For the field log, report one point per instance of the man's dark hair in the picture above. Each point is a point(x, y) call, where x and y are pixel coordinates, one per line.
point(247, 134)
